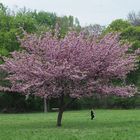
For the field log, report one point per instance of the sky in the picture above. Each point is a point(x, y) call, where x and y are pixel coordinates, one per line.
point(87, 11)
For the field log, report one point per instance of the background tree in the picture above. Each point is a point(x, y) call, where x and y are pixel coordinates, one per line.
point(93, 30)
point(134, 18)
point(73, 67)
point(117, 25)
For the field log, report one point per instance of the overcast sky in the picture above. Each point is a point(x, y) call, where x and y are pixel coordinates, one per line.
point(87, 11)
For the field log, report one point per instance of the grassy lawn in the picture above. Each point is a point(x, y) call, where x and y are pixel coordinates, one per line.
point(76, 125)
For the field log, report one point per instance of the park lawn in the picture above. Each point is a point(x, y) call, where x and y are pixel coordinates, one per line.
point(76, 125)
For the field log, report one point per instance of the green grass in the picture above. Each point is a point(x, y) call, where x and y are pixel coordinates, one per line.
point(76, 125)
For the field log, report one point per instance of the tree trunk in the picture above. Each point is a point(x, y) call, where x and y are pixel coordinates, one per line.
point(45, 105)
point(59, 118)
point(62, 108)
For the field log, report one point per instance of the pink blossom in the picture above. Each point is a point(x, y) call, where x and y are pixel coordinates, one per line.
point(75, 66)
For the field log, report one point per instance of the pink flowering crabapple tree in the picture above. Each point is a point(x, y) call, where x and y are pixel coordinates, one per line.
point(75, 66)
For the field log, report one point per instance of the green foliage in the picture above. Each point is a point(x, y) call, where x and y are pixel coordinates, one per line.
point(117, 26)
point(134, 77)
point(13, 102)
point(45, 18)
point(4, 51)
point(131, 33)
point(106, 102)
point(26, 22)
point(31, 22)
point(67, 23)
point(128, 32)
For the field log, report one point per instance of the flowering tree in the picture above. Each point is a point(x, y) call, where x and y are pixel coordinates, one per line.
point(76, 66)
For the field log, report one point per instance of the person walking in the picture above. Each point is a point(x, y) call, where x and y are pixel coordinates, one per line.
point(92, 114)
